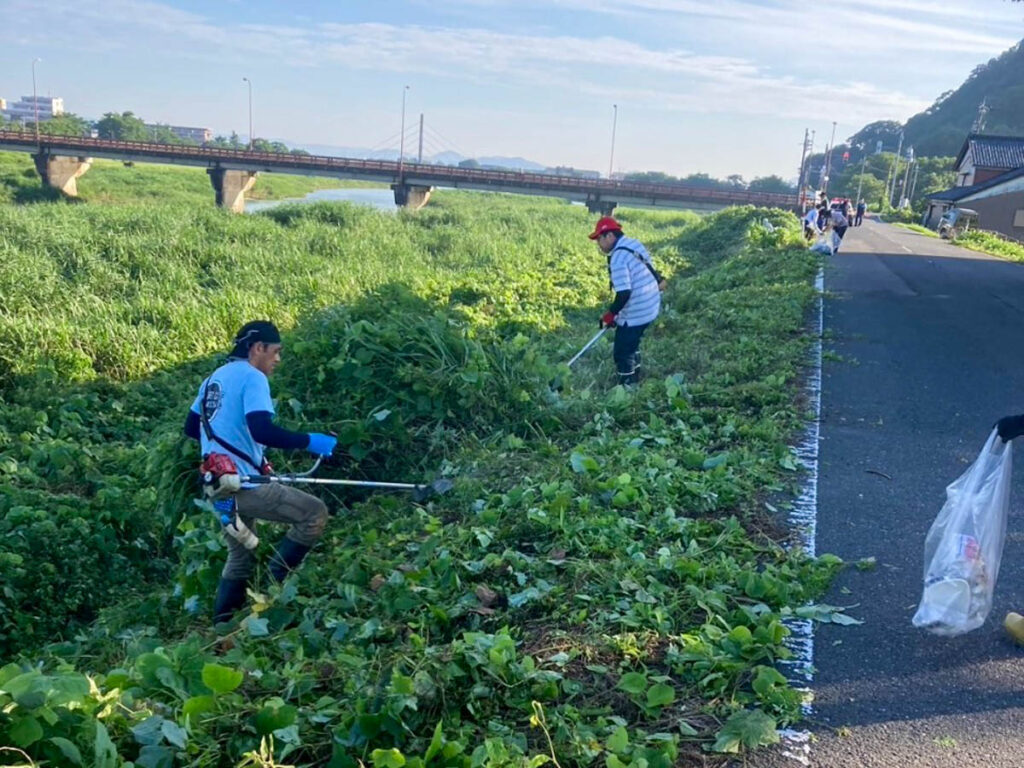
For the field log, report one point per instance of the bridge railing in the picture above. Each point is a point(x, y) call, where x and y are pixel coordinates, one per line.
point(606, 189)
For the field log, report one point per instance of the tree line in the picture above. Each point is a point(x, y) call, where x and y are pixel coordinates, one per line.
point(127, 126)
point(734, 181)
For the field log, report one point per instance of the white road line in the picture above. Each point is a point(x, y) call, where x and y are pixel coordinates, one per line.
point(804, 519)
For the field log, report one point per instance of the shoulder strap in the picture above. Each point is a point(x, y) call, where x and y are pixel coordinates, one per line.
point(645, 262)
point(208, 428)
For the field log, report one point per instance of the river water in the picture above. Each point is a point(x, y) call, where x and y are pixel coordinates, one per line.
point(382, 199)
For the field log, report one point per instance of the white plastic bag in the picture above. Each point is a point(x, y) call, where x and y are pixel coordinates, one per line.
point(823, 245)
point(965, 544)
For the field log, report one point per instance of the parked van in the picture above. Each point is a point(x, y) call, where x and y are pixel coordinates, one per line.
point(956, 221)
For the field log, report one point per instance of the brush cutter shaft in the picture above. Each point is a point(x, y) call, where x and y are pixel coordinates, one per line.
point(588, 345)
point(266, 479)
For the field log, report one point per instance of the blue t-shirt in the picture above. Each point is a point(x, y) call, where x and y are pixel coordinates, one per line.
point(232, 391)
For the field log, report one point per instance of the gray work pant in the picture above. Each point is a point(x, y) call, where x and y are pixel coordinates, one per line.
point(277, 504)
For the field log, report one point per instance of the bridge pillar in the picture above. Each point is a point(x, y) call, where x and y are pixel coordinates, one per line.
point(411, 196)
point(61, 172)
point(601, 207)
point(231, 186)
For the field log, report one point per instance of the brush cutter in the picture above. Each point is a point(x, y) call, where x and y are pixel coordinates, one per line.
point(556, 383)
point(420, 493)
point(587, 346)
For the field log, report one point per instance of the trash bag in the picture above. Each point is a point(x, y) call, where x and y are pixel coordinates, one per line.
point(823, 245)
point(965, 544)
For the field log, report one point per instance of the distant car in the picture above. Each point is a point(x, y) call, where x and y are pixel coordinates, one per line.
point(956, 221)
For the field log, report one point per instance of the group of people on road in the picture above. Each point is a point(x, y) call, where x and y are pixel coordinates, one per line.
point(232, 417)
point(832, 220)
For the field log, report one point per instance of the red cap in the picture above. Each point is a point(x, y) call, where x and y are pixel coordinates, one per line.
point(607, 224)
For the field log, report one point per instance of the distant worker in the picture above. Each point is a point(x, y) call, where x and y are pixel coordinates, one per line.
point(862, 208)
point(811, 228)
point(838, 223)
point(232, 418)
point(637, 287)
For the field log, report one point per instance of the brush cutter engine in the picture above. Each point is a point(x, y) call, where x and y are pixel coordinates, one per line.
point(219, 476)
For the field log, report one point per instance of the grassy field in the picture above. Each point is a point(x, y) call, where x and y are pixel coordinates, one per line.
point(108, 181)
point(603, 585)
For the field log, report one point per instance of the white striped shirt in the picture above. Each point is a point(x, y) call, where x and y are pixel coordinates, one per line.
point(628, 266)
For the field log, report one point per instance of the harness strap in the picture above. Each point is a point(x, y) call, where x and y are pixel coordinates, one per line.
point(650, 267)
point(210, 435)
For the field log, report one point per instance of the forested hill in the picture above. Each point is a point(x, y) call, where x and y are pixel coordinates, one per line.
point(940, 129)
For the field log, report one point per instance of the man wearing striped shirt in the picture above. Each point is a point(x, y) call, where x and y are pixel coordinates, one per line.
point(637, 287)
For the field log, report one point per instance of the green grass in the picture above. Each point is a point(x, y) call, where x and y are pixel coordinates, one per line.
point(110, 182)
point(991, 243)
point(917, 228)
point(600, 575)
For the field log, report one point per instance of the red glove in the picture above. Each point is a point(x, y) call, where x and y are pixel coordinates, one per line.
point(607, 320)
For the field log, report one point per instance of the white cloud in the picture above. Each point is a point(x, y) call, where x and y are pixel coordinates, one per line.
point(840, 30)
point(672, 78)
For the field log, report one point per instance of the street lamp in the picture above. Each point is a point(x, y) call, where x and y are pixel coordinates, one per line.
point(247, 80)
point(401, 142)
point(35, 98)
point(615, 119)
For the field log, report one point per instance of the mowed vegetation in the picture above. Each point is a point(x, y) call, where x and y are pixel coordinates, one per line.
point(602, 586)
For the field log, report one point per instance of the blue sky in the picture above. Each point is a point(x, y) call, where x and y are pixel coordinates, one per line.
point(715, 86)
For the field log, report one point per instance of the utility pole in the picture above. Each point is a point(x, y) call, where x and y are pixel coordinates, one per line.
point(828, 158)
point(906, 176)
point(35, 98)
point(913, 184)
point(979, 121)
point(615, 120)
point(802, 201)
point(247, 80)
point(895, 171)
point(419, 156)
point(860, 178)
point(401, 143)
point(810, 154)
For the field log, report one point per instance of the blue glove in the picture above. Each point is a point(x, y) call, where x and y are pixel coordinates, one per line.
point(224, 506)
point(321, 444)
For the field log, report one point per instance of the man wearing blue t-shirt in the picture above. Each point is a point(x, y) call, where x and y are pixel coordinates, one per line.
point(637, 287)
point(233, 415)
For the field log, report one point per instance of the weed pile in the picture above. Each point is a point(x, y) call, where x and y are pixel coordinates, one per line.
point(599, 586)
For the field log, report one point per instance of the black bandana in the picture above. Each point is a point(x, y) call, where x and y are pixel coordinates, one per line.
point(253, 333)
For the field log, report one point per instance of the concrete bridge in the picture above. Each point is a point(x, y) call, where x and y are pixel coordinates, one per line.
point(60, 160)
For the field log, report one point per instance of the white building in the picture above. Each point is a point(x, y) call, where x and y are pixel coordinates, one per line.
point(199, 135)
point(24, 111)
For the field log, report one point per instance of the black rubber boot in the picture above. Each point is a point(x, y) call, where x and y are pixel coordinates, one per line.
point(230, 597)
point(286, 558)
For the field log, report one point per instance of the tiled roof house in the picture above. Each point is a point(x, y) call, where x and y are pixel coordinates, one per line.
point(984, 157)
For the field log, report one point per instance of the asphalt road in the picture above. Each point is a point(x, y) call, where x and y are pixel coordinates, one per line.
point(927, 344)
